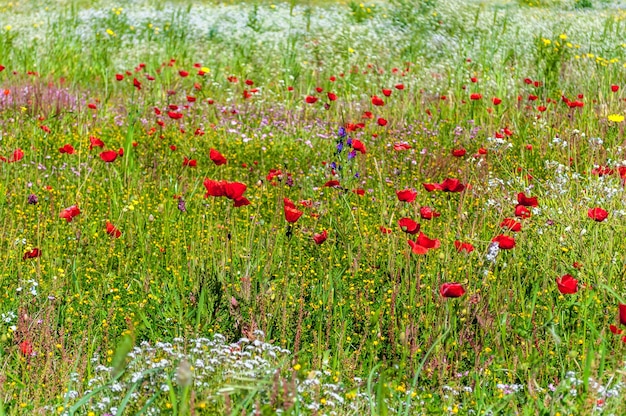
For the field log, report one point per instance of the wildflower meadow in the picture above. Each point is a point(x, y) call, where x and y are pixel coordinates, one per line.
point(405, 207)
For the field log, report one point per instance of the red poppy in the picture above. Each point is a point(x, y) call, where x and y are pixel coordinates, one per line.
point(496, 101)
point(504, 242)
point(34, 253)
point(386, 92)
point(288, 203)
point(136, 83)
point(359, 191)
point(399, 86)
point(174, 115)
point(68, 148)
point(217, 157)
point(460, 246)
point(567, 285)
point(377, 101)
point(331, 96)
point(112, 230)
point(332, 184)
point(192, 163)
point(214, 188)
point(292, 214)
point(451, 290)
point(615, 88)
point(241, 202)
point(92, 106)
point(423, 244)
point(234, 190)
point(119, 77)
point(432, 187)
point(622, 314)
point(452, 185)
point(527, 201)
point(428, 213)
point(401, 146)
point(70, 213)
point(26, 348)
point(597, 214)
point(108, 156)
point(511, 224)
point(406, 195)
point(183, 74)
point(358, 145)
point(409, 226)
point(482, 151)
point(381, 122)
point(522, 212)
point(320, 238)
point(310, 99)
point(459, 152)
point(95, 142)
point(614, 329)
point(368, 115)
point(475, 96)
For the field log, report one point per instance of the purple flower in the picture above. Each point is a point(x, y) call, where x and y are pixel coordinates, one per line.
point(342, 132)
point(181, 205)
point(352, 154)
point(32, 199)
point(339, 146)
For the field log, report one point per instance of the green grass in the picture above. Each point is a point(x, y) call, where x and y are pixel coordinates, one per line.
point(356, 324)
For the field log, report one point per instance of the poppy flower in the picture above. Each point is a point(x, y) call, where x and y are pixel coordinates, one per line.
point(423, 244)
point(331, 96)
point(406, 195)
point(292, 214)
point(527, 201)
point(399, 86)
point(70, 213)
point(432, 187)
point(359, 191)
point(614, 329)
point(409, 226)
point(34, 253)
point(95, 142)
point(217, 157)
point(452, 185)
point(567, 285)
point(288, 203)
point(368, 115)
point(332, 184)
point(597, 214)
point(522, 212)
point(386, 92)
point(460, 246)
point(504, 242)
point(26, 348)
point(511, 224)
point(358, 145)
point(401, 146)
point(377, 101)
point(183, 73)
point(310, 99)
point(214, 188)
point(476, 96)
point(428, 213)
point(622, 314)
point(615, 88)
point(136, 83)
point(119, 77)
point(496, 101)
point(109, 156)
point(68, 148)
point(321, 237)
point(174, 115)
point(459, 152)
point(451, 290)
point(234, 190)
point(242, 201)
point(192, 163)
point(381, 122)
point(112, 230)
